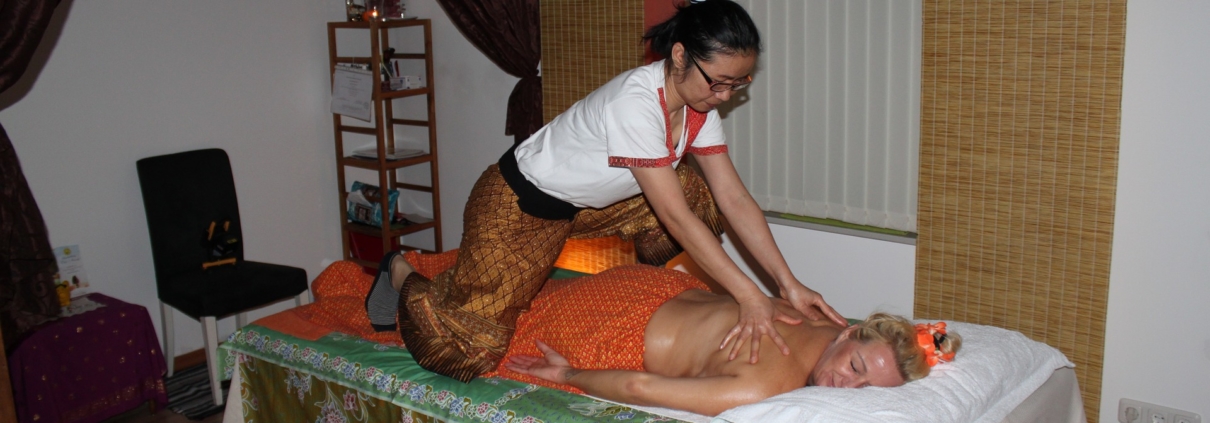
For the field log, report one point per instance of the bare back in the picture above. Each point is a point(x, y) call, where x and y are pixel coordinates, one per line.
point(683, 336)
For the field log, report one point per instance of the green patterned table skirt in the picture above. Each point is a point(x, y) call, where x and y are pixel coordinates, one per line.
point(343, 378)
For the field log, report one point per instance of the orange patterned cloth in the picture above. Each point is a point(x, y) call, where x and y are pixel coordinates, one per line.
point(594, 255)
point(598, 321)
point(340, 292)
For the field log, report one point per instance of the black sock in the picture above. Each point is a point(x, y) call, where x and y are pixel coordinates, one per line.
point(383, 302)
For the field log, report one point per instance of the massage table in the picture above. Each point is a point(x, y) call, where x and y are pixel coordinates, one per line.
point(296, 372)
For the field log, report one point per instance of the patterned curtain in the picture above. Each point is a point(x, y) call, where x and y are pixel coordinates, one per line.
point(508, 32)
point(27, 263)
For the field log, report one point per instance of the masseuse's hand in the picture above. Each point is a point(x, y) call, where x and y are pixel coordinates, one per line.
point(756, 316)
point(552, 366)
point(810, 303)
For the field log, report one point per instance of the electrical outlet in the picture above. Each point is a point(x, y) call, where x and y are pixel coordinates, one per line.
point(1134, 411)
point(1128, 411)
point(1130, 415)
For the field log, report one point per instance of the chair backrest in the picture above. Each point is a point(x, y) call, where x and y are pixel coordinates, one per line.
point(182, 194)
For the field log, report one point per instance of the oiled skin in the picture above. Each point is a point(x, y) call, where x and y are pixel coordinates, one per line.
point(683, 338)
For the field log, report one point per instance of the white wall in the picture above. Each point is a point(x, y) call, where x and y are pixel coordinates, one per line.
point(857, 276)
point(1157, 348)
point(128, 79)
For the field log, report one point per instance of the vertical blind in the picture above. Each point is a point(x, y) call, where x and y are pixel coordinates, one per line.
point(830, 126)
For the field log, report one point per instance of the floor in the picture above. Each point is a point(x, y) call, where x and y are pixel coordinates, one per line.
point(143, 415)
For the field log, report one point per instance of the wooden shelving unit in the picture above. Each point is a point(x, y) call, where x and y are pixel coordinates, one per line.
point(385, 121)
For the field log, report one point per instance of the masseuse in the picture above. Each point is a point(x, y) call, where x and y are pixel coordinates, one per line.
point(607, 166)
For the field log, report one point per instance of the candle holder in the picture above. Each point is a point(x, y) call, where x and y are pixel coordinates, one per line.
point(354, 11)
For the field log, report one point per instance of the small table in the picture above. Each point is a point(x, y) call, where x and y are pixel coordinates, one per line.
point(90, 366)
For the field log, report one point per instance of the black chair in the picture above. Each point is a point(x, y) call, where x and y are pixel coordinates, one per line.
point(183, 194)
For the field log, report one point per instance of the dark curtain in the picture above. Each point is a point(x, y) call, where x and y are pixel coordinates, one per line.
point(27, 263)
point(508, 32)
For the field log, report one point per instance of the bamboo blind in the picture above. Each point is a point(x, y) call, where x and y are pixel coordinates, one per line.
point(1018, 169)
point(585, 43)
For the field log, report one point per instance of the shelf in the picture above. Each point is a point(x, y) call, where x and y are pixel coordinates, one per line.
point(402, 93)
point(369, 130)
point(367, 60)
point(374, 264)
point(411, 122)
point(397, 229)
point(357, 129)
point(394, 23)
point(413, 187)
point(385, 121)
point(372, 164)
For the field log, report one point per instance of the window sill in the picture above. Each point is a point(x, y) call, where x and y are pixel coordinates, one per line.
point(842, 228)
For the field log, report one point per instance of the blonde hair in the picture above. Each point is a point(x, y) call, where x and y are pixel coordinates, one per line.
point(900, 334)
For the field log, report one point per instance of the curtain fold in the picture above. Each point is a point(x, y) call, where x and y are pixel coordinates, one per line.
point(508, 32)
point(27, 263)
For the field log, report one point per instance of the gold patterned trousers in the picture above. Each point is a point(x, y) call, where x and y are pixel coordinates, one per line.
point(459, 323)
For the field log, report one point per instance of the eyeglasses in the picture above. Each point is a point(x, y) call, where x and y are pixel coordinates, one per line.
point(719, 87)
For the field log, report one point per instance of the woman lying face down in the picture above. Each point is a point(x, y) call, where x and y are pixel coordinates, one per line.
point(625, 336)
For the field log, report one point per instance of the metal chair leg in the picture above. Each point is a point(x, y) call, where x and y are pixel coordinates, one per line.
point(303, 298)
point(210, 336)
point(169, 339)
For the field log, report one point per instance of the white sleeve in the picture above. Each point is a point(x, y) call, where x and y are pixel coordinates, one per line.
point(635, 131)
point(711, 134)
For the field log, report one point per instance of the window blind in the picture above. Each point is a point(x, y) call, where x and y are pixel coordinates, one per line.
point(830, 126)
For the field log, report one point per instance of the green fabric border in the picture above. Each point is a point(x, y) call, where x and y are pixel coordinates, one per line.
point(389, 373)
point(846, 225)
point(560, 273)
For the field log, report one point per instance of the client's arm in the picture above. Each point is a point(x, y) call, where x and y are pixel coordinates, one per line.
point(706, 395)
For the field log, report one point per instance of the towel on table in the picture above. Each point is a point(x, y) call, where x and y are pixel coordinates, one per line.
point(993, 373)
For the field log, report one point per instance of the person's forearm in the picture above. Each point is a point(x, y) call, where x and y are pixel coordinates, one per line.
point(750, 225)
point(704, 395)
point(615, 385)
point(667, 198)
point(706, 251)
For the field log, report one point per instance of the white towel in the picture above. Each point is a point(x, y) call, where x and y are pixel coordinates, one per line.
point(995, 370)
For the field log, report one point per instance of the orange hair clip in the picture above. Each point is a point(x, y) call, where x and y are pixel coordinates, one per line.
point(929, 337)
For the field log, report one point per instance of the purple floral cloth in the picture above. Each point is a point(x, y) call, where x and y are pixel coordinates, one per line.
point(88, 367)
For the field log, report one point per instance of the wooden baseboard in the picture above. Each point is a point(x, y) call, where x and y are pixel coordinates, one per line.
point(189, 359)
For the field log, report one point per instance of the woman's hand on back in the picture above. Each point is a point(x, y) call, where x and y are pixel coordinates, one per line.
point(756, 316)
point(811, 303)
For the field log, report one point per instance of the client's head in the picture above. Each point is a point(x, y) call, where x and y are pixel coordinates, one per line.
point(884, 350)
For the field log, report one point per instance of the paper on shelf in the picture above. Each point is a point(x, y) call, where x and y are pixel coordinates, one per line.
point(352, 92)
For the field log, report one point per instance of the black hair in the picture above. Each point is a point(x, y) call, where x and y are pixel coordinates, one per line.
point(705, 28)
